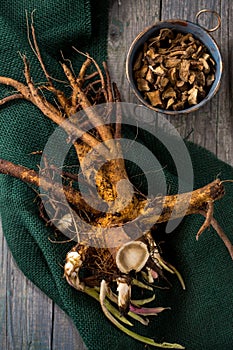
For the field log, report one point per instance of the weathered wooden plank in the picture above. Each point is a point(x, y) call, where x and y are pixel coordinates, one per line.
point(38, 319)
point(125, 22)
point(65, 335)
point(24, 321)
point(225, 105)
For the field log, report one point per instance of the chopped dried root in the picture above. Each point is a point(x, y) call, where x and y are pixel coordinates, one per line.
point(174, 71)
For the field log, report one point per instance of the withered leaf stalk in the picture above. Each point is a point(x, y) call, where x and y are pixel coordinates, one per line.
point(110, 273)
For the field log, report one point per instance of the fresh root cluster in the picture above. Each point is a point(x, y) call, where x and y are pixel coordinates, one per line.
point(106, 270)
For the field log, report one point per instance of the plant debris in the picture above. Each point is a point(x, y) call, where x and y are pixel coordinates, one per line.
point(174, 70)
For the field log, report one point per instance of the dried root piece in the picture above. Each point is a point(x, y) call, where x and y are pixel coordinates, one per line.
point(174, 61)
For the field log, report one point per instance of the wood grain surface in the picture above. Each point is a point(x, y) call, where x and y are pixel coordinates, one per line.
point(28, 319)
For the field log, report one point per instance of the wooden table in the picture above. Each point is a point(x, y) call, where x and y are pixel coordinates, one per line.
point(28, 319)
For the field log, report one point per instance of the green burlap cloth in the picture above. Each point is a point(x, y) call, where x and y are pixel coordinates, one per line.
point(202, 316)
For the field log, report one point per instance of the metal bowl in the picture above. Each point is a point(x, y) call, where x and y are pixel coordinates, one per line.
point(185, 27)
